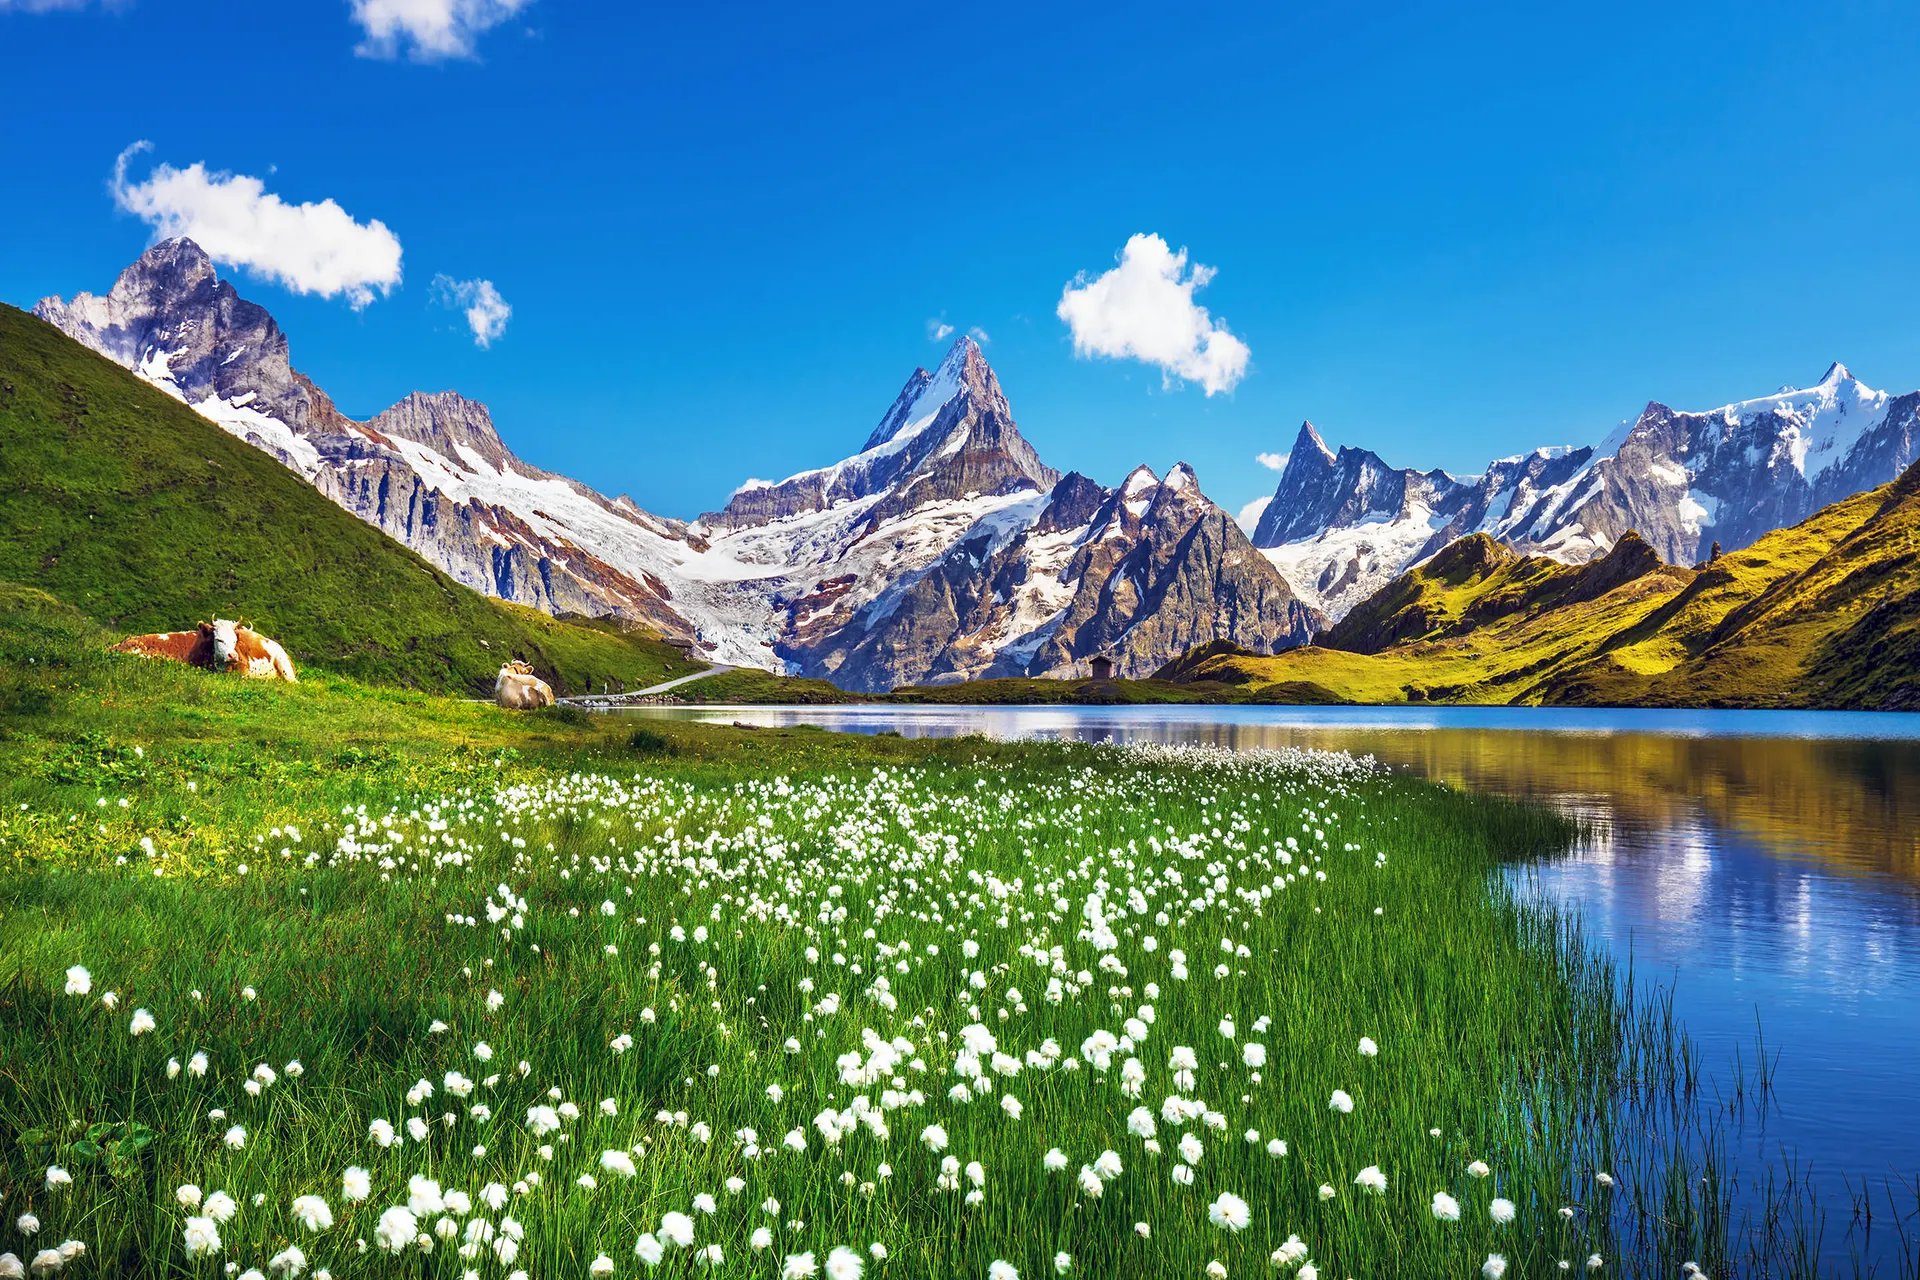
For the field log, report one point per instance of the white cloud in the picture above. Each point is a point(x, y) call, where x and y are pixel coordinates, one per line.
point(428, 30)
point(1249, 517)
point(42, 6)
point(1272, 461)
point(487, 311)
point(1143, 310)
point(938, 330)
point(309, 248)
point(979, 335)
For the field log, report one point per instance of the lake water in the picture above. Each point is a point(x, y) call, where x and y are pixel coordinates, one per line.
point(1764, 867)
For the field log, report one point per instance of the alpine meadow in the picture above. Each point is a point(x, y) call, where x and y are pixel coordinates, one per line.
point(990, 642)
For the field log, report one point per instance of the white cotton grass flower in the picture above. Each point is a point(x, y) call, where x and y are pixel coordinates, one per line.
point(1054, 1161)
point(79, 981)
point(617, 1162)
point(1229, 1212)
point(1445, 1207)
point(1000, 1269)
point(356, 1184)
point(197, 1065)
point(27, 1224)
point(798, 1266)
point(1501, 1210)
point(676, 1229)
point(1327, 1192)
point(1217, 1270)
point(1341, 1101)
point(235, 1138)
point(142, 1023)
point(201, 1237)
point(1479, 1169)
point(1254, 1054)
point(1494, 1267)
point(601, 1267)
point(187, 1196)
point(312, 1213)
point(1062, 1263)
point(844, 1264)
point(1371, 1179)
point(221, 1207)
point(650, 1250)
point(1368, 1049)
point(57, 1178)
point(395, 1230)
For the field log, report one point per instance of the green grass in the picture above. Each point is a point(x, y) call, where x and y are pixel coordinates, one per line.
point(1824, 614)
point(146, 517)
point(323, 846)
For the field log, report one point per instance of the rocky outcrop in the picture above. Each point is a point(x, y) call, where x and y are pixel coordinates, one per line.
point(944, 548)
point(1341, 526)
point(1138, 574)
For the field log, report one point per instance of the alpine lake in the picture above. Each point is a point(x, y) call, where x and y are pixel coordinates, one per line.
point(1755, 875)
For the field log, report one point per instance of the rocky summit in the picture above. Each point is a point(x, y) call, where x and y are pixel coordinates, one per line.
point(1341, 526)
point(944, 548)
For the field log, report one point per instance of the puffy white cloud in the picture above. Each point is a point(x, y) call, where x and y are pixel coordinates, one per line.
point(1249, 517)
point(428, 30)
point(1272, 461)
point(309, 248)
point(487, 311)
point(938, 330)
point(1144, 310)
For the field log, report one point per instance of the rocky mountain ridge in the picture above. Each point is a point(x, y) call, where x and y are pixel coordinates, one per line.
point(1340, 526)
point(945, 547)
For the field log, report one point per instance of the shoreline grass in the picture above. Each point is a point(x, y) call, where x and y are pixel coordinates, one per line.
point(341, 877)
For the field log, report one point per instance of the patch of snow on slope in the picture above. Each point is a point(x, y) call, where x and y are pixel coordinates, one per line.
point(1337, 569)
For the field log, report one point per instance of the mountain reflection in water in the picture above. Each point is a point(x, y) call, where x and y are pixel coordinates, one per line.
point(1762, 866)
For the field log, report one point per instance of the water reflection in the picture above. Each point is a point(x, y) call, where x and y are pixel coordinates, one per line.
point(1764, 867)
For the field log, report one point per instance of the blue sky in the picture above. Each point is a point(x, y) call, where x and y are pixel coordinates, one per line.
point(723, 234)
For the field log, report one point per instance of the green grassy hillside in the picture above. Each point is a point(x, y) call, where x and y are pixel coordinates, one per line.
point(1825, 614)
point(140, 513)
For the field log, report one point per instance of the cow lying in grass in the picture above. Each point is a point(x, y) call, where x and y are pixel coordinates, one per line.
point(518, 689)
point(220, 645)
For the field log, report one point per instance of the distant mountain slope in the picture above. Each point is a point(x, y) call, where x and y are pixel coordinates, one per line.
point(834, 572)
point(1823, 614)
point(431, 471)
point(1340, 526)
point(837, 571)
point(121, 501)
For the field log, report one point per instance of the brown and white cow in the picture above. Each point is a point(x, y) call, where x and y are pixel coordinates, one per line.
point(220, 645)
point(518, 689)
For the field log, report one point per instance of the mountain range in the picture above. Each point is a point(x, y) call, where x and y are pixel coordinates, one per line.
point(1341, 526)
point(946, 549)
point(943, 549)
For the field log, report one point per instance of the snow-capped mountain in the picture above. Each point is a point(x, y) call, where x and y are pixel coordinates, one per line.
point(1341, 526)
point(944, 548)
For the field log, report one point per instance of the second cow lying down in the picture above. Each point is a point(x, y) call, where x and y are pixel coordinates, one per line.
point(220, 645)
point(518, 689)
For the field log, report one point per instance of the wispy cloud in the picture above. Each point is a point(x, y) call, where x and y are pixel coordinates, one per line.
point(938, 330)
point(487, 312)
point(1272, 461)
point(428, 30)
point(1144, 310)
point(1249, 517)
point(49, 6)
point(979, 335)
point(308, 248)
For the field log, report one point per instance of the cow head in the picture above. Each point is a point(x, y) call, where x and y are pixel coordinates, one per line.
point(521, 667)
point(225, 641)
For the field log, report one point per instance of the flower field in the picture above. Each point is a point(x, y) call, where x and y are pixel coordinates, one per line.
point(1056, 1011)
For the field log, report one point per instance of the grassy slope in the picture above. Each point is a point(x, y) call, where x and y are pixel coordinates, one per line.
point(130, 506)
point(1826, 613)
point(351, 963)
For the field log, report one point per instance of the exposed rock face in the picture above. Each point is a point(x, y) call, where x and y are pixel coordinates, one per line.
point(1341, 526)
point(431, 471)
point(944, 548)
point(948, 435)
point(1139, 574)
